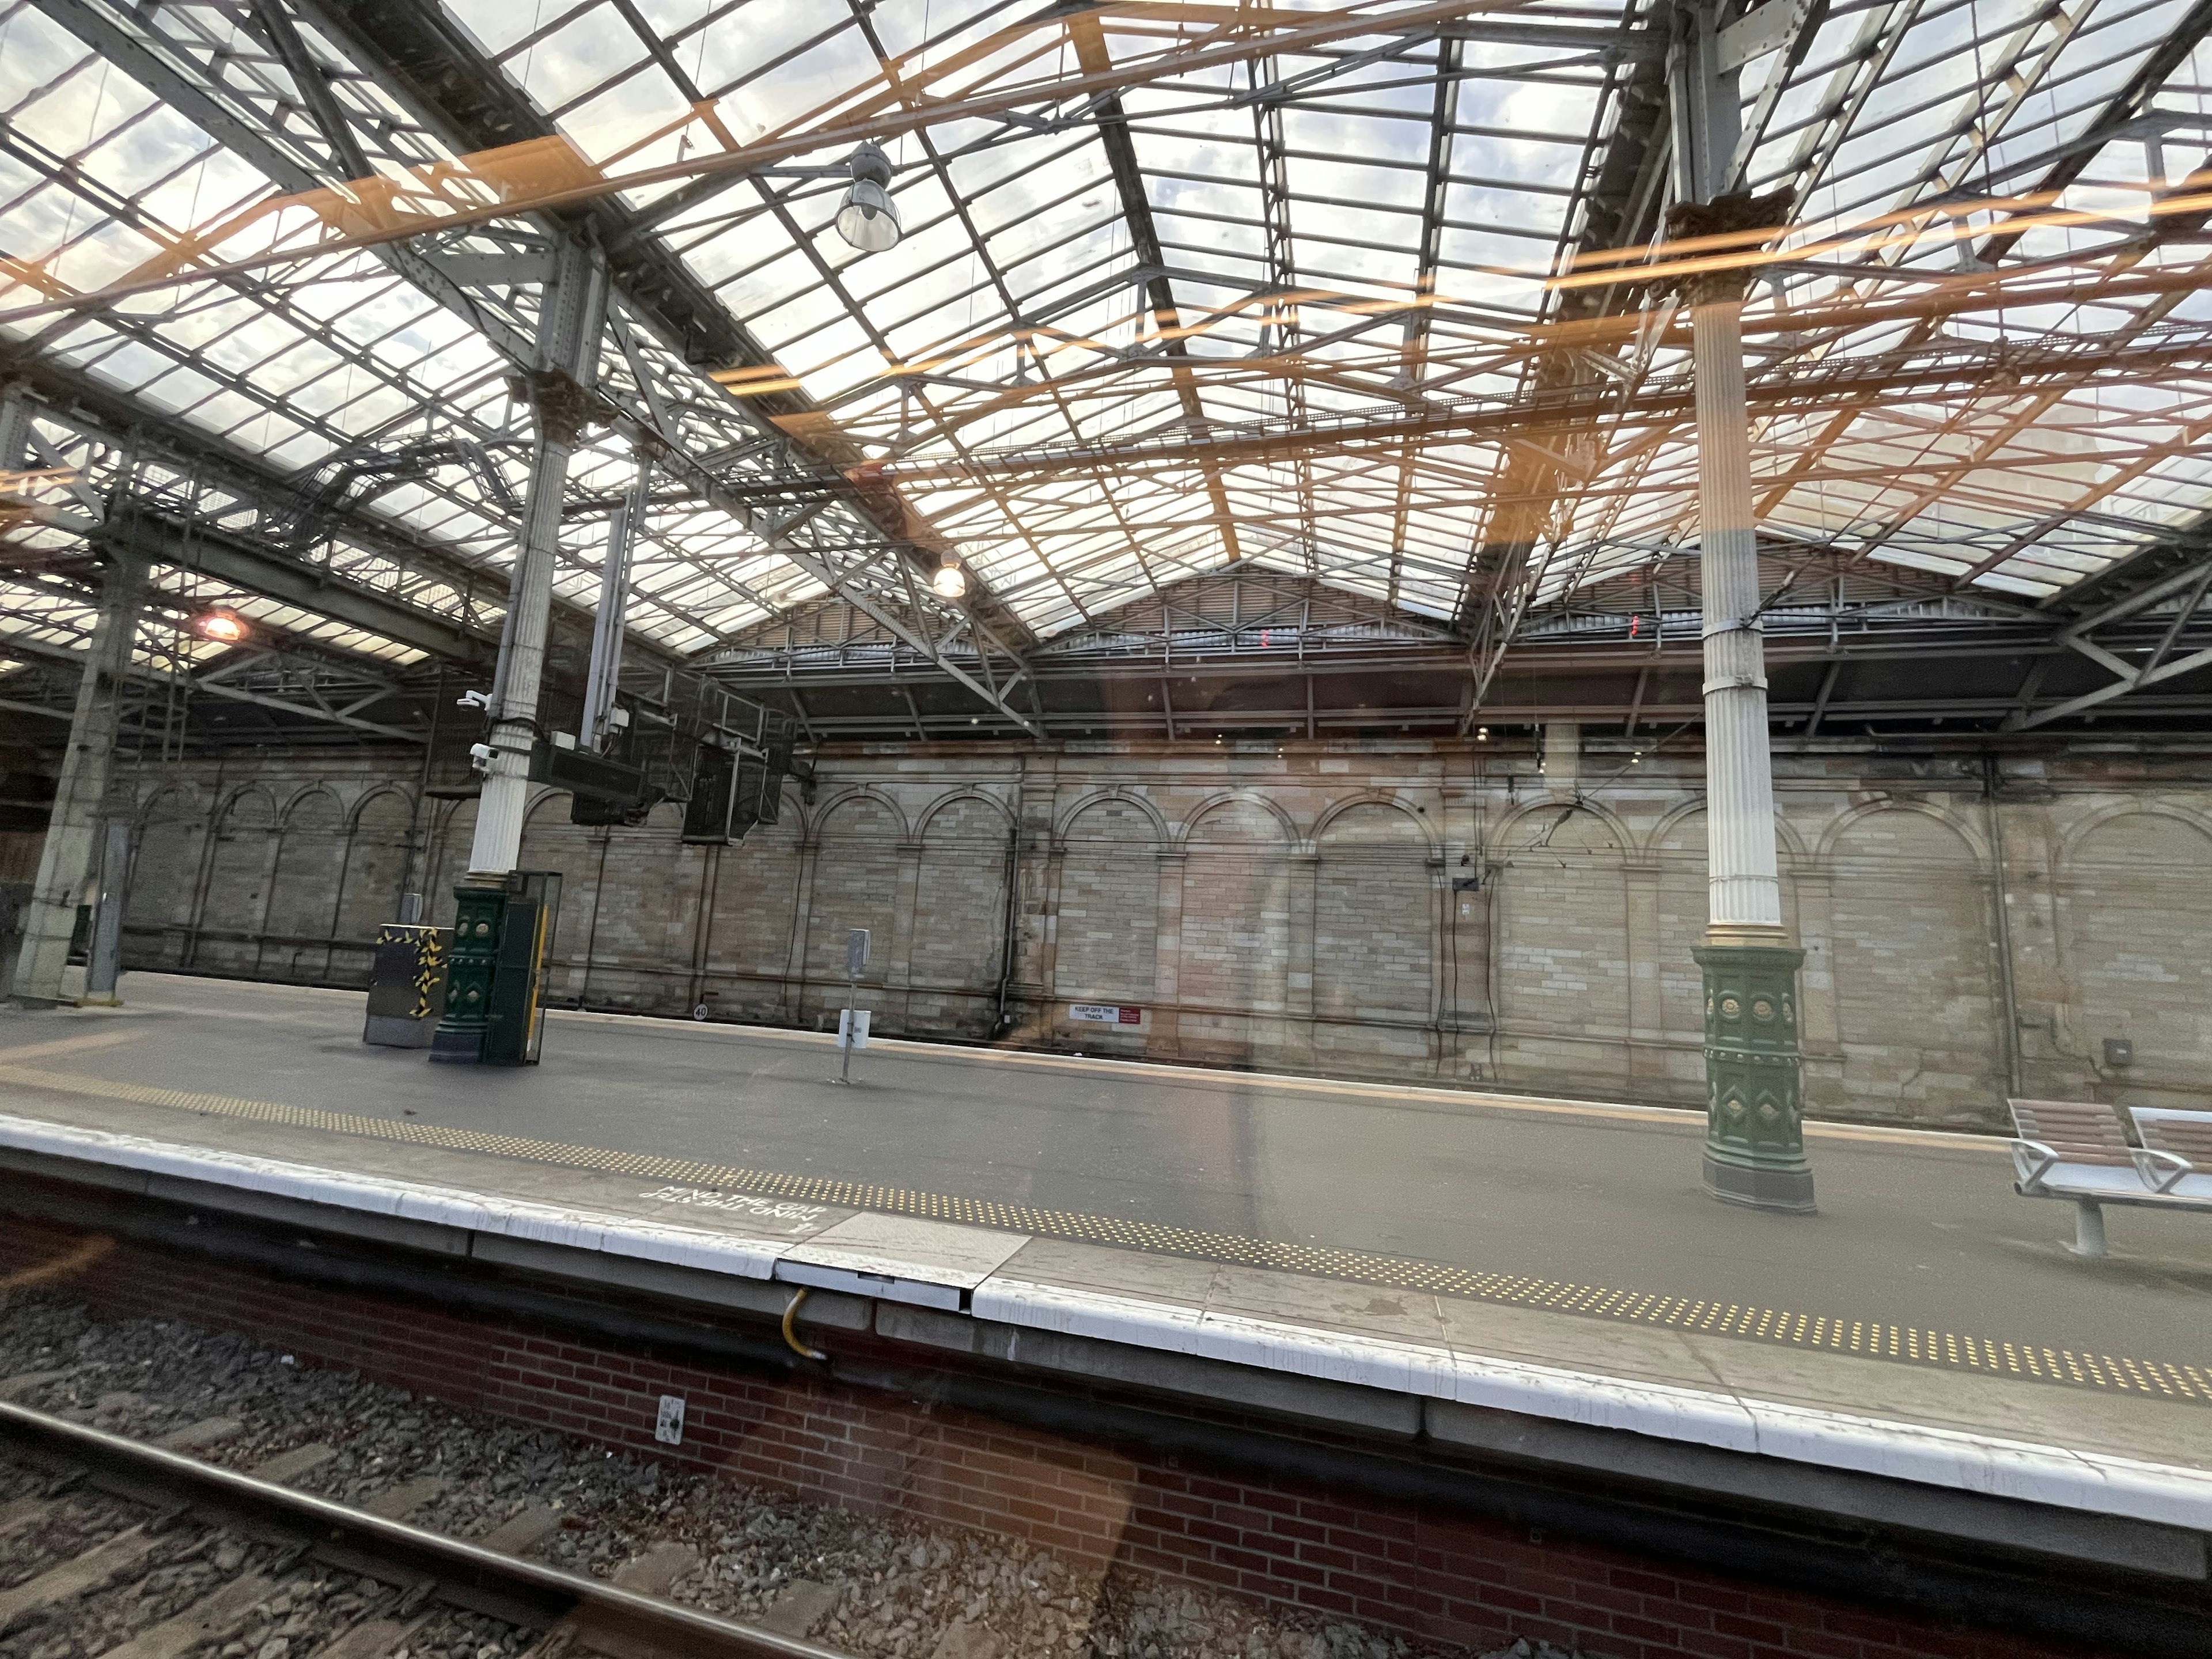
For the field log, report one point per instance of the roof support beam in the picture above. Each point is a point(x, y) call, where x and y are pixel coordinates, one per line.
point(2189, 587)
point(259, 571)
point(1091, 52)
point(411, 51)
point(61, 657)
point(430, 62)
point(2189, 31)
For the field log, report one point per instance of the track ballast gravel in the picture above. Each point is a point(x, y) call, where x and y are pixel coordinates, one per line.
point(876, 1585)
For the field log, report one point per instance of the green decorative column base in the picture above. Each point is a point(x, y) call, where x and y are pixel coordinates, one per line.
point(478, 913)
point(1754, 1131)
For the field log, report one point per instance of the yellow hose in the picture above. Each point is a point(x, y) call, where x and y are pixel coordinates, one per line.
point(791, 1333)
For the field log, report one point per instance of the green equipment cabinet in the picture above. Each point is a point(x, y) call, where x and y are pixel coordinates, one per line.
point(503, 936)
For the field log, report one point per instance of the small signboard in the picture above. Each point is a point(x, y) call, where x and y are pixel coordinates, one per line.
point(853, 1028)
point(856, 952)
point(1105, 1013)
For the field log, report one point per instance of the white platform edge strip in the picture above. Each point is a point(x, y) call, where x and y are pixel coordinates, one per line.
point(2101, 1483)
point(714, 1251)
point(2094, 1482)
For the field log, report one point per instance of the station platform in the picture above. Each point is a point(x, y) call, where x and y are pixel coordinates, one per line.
point(1476, 1268)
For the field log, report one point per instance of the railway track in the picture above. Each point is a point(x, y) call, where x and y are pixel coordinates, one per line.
point(125, 1550)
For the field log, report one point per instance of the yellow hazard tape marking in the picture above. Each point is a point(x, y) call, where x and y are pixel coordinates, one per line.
point(1867, 1339)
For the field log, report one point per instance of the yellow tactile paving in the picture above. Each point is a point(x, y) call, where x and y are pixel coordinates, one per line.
point(1867, 1339)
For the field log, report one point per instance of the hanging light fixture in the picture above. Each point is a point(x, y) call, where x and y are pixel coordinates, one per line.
point(867, 217)
point(223, 627)
point(951, 582)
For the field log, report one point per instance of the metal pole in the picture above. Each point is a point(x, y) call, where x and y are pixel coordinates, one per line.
point(65, 860)
point(570, 329)
point(856, 958)
point(1754, 1135)
point(2002, 900)
point(103, 960)
point(605, 674)
point(1745, 888)
point(847, 1035)
point(568, 349)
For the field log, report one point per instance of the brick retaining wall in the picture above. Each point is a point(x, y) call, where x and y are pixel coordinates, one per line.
point(1425, 1571)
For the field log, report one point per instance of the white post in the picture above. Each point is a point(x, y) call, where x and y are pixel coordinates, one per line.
point(1754, 1135)
point(568, 348)
point(605, 674)
point(103, 968)
point(1744, 900)
point(65, 862)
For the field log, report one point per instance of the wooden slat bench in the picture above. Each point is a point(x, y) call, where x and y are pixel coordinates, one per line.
point(2175, 1160)
point(2076, 1149)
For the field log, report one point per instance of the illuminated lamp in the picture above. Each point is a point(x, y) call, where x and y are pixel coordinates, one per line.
point(951, 582)
point(867, 217)
point(223, 627)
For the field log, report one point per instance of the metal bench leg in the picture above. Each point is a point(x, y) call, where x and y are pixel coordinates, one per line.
point(2088, 1228)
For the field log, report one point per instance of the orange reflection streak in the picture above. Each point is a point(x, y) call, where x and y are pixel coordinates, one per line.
point(86, 1255)
point(1275, 309)
point(1909, 227)
point(1962, 295)
point(19, 495)
point(366, 211)
point(544, 173)
point(1964, 292)
point(2183, 365)
point(756, 381)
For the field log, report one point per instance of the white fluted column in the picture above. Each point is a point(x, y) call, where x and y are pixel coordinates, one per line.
point(1744, 900)
point(1755, 1140)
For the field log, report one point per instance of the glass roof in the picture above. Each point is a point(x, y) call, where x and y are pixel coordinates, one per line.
point(1279, 224)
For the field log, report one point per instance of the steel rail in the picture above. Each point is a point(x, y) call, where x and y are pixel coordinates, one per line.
point(667, 1625)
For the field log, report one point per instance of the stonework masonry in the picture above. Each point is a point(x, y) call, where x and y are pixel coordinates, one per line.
point(1420, 911)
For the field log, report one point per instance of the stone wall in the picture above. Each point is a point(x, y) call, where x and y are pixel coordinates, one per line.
point(19, 854)
point(1416, 911)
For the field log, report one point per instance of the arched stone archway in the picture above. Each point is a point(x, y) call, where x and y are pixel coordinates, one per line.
point(755, 897)
point(959, 917)
point(550, 841)
point(448, 859)
point(639, 928)
point(856, 875)
point(1563, 958)
point(239, 870)
point(1109, 912)
point(165, 875)
point(1374, 957)
point(1917, 995)
point(305, 888)
point(378, 863)
point(1233, 963)
point(2135, 911)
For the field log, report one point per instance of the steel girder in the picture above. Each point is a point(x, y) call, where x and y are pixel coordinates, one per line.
point(2145, 624)
point(192, 502)
point(309, 106)
point(655, 391)
point(307, 688)
point(414, 51)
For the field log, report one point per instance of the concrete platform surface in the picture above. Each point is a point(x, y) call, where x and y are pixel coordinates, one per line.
point(1556, 1258)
